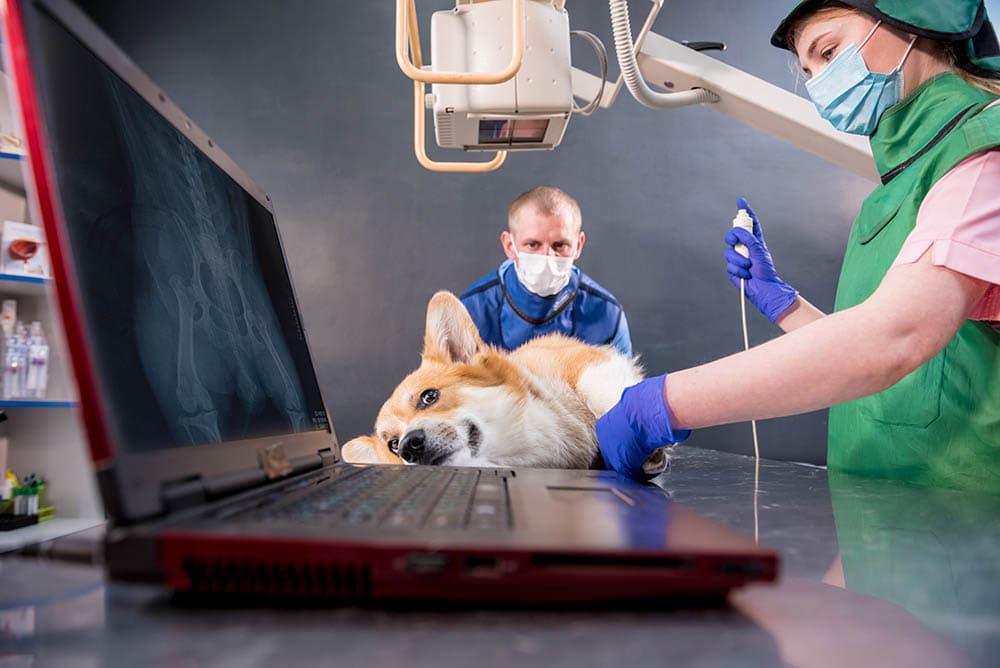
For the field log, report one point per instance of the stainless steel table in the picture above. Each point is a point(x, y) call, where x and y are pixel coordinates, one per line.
point(875, 573)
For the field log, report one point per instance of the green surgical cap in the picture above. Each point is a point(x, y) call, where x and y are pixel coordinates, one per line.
point(963, 22)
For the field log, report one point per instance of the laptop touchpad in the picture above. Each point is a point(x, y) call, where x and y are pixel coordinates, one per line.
point(577, 494)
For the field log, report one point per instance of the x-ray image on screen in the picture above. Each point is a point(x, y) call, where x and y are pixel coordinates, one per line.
point(186, 295)
point(207, 336)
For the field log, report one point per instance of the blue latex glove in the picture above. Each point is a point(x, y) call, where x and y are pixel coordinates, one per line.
point(765, 289)
point(637, 425)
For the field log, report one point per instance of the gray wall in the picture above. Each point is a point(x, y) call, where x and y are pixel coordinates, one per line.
point(306, 96)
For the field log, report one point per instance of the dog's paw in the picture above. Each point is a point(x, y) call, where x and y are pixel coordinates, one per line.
point(658, 462)
point(367, 450)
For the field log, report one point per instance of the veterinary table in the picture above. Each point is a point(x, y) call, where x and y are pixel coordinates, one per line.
point(875, 573)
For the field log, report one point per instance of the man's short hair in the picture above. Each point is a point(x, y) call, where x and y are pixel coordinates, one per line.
point(548, 200)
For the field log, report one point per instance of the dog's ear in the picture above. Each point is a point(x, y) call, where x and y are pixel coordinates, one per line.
point(368, 450)
point(450, 336)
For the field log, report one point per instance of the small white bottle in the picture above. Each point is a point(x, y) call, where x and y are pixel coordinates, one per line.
point(12, 366)
point(38, 363)
point(8, 316)
point(9, 367)
point(22, 360)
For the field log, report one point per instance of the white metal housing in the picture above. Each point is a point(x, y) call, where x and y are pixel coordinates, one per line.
point(528, 112)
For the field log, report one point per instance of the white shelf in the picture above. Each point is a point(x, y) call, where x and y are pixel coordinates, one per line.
point(11, 174)
point(23, 285)
point(46, 437)
point(37, 403)
point(43, 531)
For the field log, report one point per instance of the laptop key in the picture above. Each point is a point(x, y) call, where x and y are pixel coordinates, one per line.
point(489, 509)
point(445, 521)
point(436, 498)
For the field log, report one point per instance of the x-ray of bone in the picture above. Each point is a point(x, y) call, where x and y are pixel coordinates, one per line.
point(208, 337)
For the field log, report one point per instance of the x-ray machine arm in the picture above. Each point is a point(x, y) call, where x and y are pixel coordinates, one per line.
point(689, 76)
point(742, 97)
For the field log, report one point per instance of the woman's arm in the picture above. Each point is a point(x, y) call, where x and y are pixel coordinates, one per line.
point(799, 314)
point(915, 312)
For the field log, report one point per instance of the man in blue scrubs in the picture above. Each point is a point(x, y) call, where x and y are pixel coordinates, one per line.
point(537, 290)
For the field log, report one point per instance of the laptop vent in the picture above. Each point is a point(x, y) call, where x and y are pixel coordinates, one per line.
point(279, 579)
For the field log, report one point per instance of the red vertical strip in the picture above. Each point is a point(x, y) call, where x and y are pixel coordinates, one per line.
point(55, 234)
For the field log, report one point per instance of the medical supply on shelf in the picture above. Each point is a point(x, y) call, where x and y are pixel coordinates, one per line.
point(26, 361)
point(26, 495)
point(38, 363)
point(8, 316)
point(12, 365)
point(6, 486)
point(23, 250)
point(24, 505)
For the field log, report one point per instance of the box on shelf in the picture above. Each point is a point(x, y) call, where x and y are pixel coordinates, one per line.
point(24, 250)
point(10, 131)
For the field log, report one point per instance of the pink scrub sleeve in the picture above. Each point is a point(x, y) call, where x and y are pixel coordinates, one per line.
point(959, 221)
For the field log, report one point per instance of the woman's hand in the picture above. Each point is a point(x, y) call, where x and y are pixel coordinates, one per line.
point(635, 428)
point(764, 288)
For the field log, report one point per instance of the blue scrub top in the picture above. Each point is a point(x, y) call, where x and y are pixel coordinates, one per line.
point(508, 315)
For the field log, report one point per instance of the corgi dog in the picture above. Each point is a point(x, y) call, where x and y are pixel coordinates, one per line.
point(470, 404)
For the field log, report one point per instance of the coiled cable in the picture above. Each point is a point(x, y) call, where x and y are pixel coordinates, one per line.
point(602, 56)
point(625, 50)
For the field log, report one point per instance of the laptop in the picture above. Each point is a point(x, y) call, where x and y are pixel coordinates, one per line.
point(215, 454)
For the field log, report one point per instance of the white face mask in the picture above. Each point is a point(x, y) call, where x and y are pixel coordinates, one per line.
point(545, 275)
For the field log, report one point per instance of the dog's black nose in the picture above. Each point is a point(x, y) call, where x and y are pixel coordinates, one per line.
point(411, 448)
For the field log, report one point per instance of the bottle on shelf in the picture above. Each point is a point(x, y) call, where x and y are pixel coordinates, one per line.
point(12, 365)
point(26, 362)
point(22, 357)
point(38, 360)
point(8, 316)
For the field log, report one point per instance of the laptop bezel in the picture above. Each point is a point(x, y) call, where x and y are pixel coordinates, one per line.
point(132, 483)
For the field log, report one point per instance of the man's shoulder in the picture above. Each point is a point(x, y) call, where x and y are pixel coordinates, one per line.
point(482, 287)
point(591, 288)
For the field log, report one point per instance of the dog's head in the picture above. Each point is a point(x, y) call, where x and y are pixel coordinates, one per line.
point(455, 408)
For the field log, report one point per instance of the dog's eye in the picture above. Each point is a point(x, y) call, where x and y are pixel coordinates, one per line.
point(428, 398)
point(394, 446)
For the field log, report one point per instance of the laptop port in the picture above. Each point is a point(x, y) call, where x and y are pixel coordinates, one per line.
point(481, 564)
point(426, 563)
point(741, 567)
point(612, 562)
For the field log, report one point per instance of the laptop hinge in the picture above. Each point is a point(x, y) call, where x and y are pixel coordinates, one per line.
point(195, 490)
point(183, 493)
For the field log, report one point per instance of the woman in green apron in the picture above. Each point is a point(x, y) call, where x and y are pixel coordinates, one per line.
point(910, 360)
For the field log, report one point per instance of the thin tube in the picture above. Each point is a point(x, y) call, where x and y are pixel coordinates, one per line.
point(625, 49)
point(753, 423)
point(602, 56)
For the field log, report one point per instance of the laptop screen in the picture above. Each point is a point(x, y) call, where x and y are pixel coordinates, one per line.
point(193, 327)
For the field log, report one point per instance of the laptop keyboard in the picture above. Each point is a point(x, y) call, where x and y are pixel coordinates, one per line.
point(380, 496)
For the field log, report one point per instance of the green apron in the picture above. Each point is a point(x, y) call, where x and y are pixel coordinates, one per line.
point(940, 425)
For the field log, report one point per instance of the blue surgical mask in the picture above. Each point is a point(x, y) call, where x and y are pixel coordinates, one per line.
point(852, 97)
